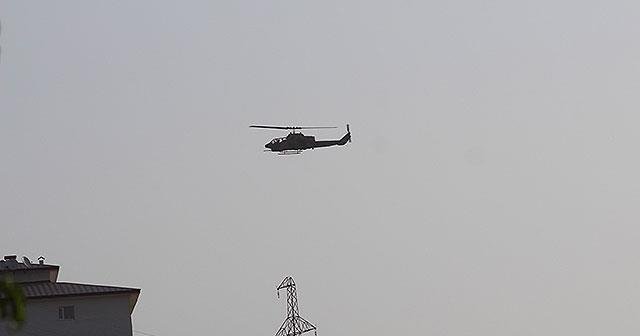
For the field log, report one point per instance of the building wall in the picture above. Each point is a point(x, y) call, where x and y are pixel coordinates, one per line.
point(106, 315)
point(32, 275)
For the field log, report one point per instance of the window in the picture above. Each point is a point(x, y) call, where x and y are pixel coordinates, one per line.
point(67, 313)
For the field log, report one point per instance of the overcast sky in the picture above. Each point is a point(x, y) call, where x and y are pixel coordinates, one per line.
point(491, 187)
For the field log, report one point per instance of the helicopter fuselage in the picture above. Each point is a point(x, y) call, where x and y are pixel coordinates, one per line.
point(296, 141)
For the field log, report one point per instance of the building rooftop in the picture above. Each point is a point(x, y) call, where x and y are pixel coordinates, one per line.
point(45, 289)
point(10, 263)
point(40, 281)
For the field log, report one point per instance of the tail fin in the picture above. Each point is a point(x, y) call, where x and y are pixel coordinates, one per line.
point(346, 137)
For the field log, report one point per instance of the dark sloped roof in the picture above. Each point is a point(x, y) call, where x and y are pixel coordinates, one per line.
point(45, 289)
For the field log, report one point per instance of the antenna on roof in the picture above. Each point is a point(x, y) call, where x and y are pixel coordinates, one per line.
point(26, 261)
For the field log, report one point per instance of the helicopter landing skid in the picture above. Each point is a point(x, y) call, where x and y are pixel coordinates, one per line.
point(291, 152)
point(286, 152)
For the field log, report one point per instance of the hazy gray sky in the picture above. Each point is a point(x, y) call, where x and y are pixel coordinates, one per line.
point(491, 187)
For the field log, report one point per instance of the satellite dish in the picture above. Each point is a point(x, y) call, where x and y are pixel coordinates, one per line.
point(26, 261)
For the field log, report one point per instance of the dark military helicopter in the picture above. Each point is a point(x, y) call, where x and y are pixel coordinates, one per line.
point(296, 142)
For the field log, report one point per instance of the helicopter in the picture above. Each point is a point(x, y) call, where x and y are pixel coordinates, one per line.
point(296, 142)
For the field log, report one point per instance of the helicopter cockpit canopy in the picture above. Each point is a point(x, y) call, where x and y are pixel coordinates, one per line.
point(277, 140)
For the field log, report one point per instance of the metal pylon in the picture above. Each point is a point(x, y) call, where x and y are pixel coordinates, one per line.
point(294, 324)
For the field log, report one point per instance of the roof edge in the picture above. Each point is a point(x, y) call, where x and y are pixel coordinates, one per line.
point(122, 292)
point(110, 290)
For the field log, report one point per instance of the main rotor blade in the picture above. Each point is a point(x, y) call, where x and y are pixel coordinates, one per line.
point(289, 127)
point(271, 127)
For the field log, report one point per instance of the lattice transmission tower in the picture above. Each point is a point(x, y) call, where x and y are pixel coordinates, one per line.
point(294, 324)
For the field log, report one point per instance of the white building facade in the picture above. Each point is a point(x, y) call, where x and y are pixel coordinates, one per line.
point(63, 308)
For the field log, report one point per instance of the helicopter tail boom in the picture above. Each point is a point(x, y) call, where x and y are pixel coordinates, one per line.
point(326, 143)
point(346, 138)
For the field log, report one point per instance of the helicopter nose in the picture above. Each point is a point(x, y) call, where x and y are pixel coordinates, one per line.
point(267, 145)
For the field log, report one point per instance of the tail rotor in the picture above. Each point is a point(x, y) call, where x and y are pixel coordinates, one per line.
point(349, 132)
